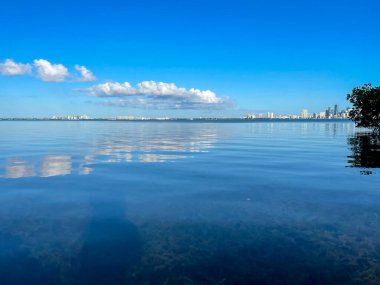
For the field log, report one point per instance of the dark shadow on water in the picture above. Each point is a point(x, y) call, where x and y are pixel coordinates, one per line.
point(365, 148)
point(109, 250)
point(112, 247)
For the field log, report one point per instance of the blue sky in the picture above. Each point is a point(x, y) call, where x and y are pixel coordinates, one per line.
point(253, 56)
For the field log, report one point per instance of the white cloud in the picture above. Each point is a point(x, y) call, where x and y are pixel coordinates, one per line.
point(11, 68)
point(86, 75)
point(47, 71)
point(44, 70)
point(111, 89)
point(157, 95)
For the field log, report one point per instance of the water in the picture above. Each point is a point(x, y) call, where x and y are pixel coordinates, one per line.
point(189, 203)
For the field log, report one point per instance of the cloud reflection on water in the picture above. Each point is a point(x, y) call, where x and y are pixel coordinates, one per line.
point(150, 148)
point(56, 165)
point(16, 168)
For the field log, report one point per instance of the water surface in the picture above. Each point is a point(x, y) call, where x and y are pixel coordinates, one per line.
point(189, 203)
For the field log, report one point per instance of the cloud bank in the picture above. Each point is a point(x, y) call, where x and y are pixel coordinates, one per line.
point(157, 95)
point(45, 70)
point(11, 68)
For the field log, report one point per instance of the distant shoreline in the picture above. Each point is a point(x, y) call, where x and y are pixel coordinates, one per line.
point(170, 119)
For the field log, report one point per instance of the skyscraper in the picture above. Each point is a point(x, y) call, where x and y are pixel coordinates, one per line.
point(304, 114)
point(328, 113)
point(336, 110)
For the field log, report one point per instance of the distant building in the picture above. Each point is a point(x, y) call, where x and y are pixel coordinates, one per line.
point(250, 116)
point(304, 114)
point(336, 110)
point(329, 113)
point(71, 117)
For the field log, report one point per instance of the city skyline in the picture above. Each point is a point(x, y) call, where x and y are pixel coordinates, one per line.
point(234, 59)
point(329, 113)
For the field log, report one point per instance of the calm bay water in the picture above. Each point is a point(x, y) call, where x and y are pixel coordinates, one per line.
point(189, 203)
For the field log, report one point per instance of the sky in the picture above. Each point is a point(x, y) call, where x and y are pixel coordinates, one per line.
point(184, 58)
